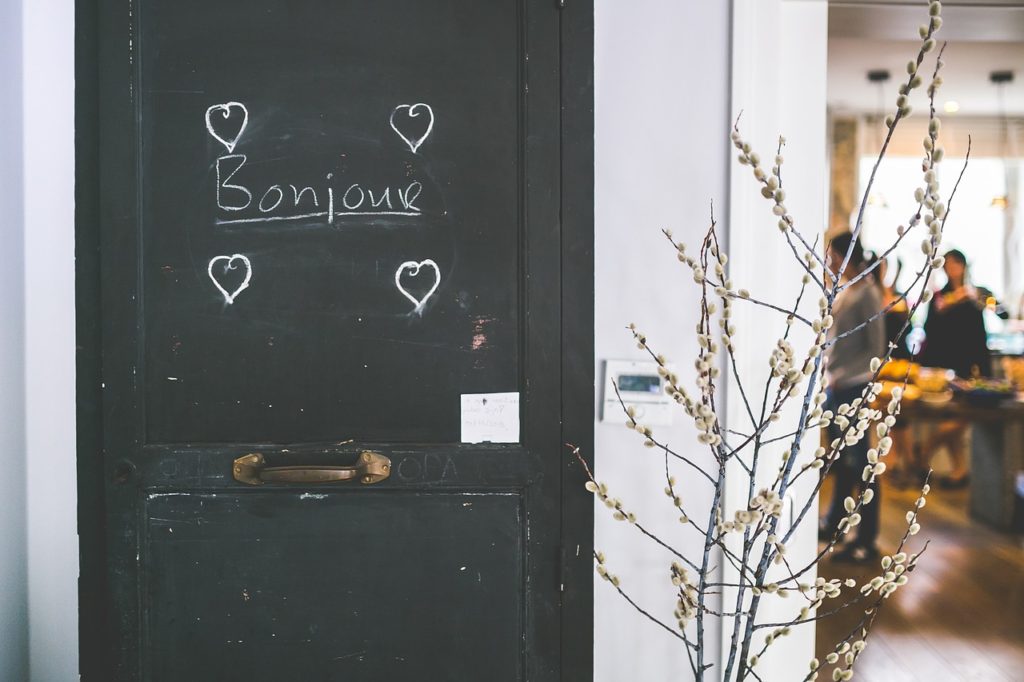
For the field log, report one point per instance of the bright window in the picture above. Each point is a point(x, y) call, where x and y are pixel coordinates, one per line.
point(975, 225)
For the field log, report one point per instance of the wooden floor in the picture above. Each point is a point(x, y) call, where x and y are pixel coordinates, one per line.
point(961, 616)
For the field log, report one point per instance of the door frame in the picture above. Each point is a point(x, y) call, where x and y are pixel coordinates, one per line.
point(577, 341)
point(778, 74)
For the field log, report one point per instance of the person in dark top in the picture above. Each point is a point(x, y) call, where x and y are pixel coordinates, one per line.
point(955, 336)
point(896, 327)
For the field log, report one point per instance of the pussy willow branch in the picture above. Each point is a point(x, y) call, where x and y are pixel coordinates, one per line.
point(857, 507)
point(888, 138)
point(929, 267)
point(769, 192)
point(904, 328)
point(663, 446)
point(765, 421)
point(771, 306)
point(784, 481)
point(670, 483)
point(644, 531)
point(736, 562)
point(657, 621)
point(903, 541)
point(888, 355)
point(732, 354)
point(748, 537)
point(875, 584)
point(793, 229)
point(774, 398)
point(792, 225)
point(870, 613)
point(651, 536)
point(929, 165)
point(708, 395)
point(915, 219)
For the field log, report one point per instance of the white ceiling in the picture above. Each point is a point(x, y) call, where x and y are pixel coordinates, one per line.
point(983, 37)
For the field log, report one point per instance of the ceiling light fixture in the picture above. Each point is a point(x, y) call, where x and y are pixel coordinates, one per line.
point(1000, 79)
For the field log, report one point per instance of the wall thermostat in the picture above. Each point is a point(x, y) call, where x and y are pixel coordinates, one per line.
point(641, 388)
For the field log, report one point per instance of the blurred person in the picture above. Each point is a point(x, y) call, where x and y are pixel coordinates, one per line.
point(897, 317)
point(897, 329)
point(955, 338)
point(848, 371)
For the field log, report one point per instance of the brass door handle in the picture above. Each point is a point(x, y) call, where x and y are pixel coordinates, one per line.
point(372, 467)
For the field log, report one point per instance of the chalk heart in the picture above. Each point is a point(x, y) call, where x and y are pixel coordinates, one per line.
point(231, 262)
point(403, 124)
point(413, 269)
point(226, 123)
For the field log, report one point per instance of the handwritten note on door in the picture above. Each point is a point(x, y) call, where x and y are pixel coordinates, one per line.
point(490, 418)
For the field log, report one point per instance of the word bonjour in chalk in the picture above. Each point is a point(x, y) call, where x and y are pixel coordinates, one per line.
point(229, 264)
point(292, 202)
point(414, 269)
point(226, 138)
point(412, 112)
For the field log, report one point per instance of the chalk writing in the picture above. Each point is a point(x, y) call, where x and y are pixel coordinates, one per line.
point(411, 111)
point(330, 198)
point(229, 264)
point(414, 269)
point(225, 183)
point(225, 137)
point(432, 468)
point(351, 200)
point(280, 202)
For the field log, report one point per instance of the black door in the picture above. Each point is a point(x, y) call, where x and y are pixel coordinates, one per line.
point(334, 327)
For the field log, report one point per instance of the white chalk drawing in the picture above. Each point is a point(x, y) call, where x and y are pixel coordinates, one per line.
point(410, 195)
point(320, 214)
point(227, 139)
point(414, 269)
point(355, 200)
point(224, 184)
point(229, 264)
point(414, 144)
point(297, 193)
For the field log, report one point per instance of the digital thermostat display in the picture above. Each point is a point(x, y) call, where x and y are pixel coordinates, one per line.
point(640, 383)
point(641, 388)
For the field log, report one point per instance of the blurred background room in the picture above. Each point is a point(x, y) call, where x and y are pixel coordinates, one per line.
point(963, 419)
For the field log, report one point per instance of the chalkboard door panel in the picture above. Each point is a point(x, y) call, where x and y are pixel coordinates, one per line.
point(306, 230)
point(365, 160)
point(227, 572)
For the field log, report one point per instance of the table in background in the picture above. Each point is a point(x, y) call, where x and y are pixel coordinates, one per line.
point(997, 452)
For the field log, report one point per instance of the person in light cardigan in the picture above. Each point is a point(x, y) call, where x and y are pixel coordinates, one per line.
point(848, 368)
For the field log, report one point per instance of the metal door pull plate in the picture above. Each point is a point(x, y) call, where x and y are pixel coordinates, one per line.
point(372, 467)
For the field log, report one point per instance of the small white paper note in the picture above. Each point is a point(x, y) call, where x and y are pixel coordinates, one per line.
point(490, 418)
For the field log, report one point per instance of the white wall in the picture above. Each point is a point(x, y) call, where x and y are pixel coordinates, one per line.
point(13, 575)
point(778, 83)
point(49, 106)
point(662, 135)
point(665, 75)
